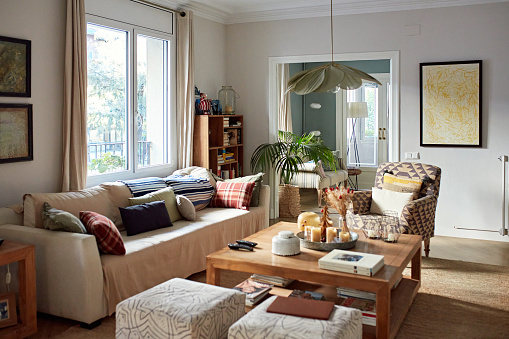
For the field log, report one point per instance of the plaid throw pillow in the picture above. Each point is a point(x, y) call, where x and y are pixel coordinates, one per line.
point(106, 233)
point(233, 194)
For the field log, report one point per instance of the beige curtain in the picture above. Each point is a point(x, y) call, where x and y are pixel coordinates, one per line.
point(185, 89)
point(74, 167)
point(285, 108)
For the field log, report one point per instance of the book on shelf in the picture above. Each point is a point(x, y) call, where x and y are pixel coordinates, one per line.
point(350, 292)
point(306, 295)
point(254, 290)
point(276, 281)
point(352, 262)
point(367, 308)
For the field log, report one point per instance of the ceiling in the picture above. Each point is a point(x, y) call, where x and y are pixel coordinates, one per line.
point(241, 11)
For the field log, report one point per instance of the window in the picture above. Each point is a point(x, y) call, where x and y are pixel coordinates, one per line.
point(130, 108)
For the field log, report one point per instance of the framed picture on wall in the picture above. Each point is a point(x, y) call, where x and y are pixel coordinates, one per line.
point(15, 67)
point(16, 142)
point(451, 103)
point(8, 316)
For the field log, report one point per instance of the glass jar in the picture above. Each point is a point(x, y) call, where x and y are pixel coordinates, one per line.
point(228, 97)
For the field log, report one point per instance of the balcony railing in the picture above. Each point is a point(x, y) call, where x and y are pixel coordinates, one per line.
point(97, 150)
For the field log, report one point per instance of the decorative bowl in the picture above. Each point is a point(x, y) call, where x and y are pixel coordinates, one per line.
point(328, 246)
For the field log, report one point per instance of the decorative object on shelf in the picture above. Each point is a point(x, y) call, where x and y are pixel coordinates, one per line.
point(451, 103)
point(330, 77)
point(285, 156)
point(8, 315)
point(15, 65)
point(228, 99)
point(390, 229)
point(307, 219)
point(204, 104)
point(328, 246)
point(216, 107)
point(285, 244)
point(340, 199)
point(16, 138)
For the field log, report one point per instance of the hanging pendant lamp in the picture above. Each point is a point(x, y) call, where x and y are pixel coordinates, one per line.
point(328, 78)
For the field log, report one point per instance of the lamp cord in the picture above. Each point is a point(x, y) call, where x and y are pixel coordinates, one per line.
point(331, 34)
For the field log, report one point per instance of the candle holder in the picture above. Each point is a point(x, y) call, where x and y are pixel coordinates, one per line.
point(372, 227)
point(390, 227)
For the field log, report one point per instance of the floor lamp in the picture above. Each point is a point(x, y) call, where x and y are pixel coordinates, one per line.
point(355, 110)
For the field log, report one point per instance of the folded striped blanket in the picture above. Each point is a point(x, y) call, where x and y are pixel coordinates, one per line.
point(198, 190)
point(139, 187)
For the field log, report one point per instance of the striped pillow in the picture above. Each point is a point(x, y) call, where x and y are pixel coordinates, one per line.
point(198, 190)
point(139, 187)
point(106, 233)
point(402, 184)
point(233, 194)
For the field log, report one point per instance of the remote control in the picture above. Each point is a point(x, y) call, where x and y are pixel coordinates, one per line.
point(239, 246)
point(1, 241)
point(248, 243)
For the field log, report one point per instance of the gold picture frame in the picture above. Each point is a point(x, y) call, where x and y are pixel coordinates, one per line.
point(8, 315)
point(451, 104)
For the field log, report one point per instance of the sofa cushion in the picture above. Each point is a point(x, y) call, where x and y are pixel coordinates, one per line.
point(139, 187)
point(257, 179)
point(197, 172)
point(401, 184)
point(186, 208)
point(145, 217)
point(95, 199)
point(198, 190)
point(57, 220)
point(385, 200)
point(233, 194)
point(167, 195)
point(105, 232)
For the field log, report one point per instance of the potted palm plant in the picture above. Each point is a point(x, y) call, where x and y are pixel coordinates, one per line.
point(285, 156)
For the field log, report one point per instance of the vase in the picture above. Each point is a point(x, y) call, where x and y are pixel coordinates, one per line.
point(228, 99)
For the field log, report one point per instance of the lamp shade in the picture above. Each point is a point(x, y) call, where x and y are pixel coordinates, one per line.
point(357, 110)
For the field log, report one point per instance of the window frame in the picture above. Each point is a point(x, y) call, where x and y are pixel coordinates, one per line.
point(133, 171)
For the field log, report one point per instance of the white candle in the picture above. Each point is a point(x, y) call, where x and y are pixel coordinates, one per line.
point(316, 234)
point(371, 233)
point(390, 237)
point(307, 232)
point(332, 232)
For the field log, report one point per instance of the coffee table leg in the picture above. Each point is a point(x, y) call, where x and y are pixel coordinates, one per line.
point(213, 274)
point(416, 265)
point(383, 312)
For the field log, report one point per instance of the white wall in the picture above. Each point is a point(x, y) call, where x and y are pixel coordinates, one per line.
point(471, 181)
point(43, 23)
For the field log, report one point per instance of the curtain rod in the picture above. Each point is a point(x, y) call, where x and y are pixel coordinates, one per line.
point(147, 3)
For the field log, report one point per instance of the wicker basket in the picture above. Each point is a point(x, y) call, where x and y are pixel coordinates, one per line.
point(289, 201)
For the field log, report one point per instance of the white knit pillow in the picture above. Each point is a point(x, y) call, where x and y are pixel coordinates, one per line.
point(385, 200)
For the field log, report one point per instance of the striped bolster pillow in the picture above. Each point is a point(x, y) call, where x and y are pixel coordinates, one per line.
point(139, 187)
point(198, 190)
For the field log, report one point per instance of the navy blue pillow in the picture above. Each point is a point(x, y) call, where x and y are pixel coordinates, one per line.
point(145, 217)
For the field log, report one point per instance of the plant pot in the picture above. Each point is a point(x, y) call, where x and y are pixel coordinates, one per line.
point(289, 201)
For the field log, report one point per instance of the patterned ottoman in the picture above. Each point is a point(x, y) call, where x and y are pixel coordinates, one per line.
point(180, 308)
point(344, 323)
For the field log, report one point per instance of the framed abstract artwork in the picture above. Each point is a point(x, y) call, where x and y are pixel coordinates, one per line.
point(15, 67)
point(16, 142)
point(451, 104)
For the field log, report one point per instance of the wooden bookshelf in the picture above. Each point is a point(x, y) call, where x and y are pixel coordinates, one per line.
point(215, 135)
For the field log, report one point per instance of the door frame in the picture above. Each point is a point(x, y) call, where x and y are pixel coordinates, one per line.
point(394, 118)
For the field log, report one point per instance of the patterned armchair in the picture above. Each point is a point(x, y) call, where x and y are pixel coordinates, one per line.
point(418, 216)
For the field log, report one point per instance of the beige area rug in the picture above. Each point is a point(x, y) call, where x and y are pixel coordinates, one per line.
point(456, 300)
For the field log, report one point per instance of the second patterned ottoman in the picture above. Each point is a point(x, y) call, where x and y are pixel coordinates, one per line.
point(180, 308)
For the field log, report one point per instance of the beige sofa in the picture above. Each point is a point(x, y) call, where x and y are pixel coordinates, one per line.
point(75, 281)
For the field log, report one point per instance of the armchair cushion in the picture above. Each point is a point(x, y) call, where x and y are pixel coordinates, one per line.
point(385, 200)
point(402, 184)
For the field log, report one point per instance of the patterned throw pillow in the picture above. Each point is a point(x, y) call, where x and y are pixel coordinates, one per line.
point(402, 184)
point(139, 187)
point(198, 190)
point(257, 179)
point(106, 233)
point(233, 194)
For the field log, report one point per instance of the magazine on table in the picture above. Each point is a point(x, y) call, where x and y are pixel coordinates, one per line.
point(252, 288)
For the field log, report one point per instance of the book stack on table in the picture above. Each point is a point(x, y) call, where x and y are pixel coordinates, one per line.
point(276, 281)
point(361, 300)
point(352, 262)
point(254, 290)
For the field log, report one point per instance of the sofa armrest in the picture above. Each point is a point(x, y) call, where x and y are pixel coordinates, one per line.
point(265, 202)
point(68, 272)
point(418, 216)
point(361, 202)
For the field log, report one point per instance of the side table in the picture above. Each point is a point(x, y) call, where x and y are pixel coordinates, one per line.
point(24, 254)
point(354, 172)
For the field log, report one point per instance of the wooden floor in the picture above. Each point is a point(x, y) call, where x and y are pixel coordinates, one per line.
point(471, 250)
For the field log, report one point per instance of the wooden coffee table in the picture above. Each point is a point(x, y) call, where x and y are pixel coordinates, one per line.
point(391, 304)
